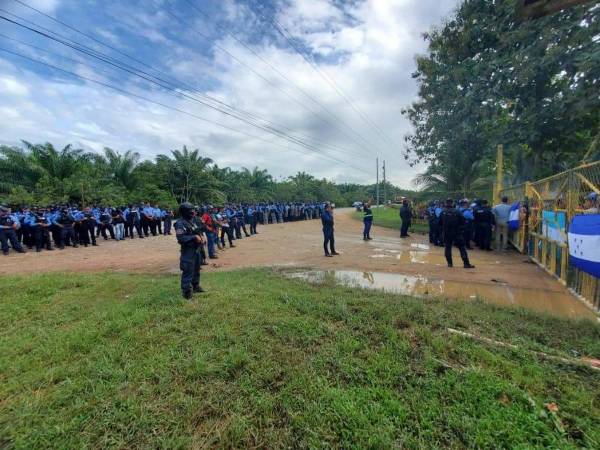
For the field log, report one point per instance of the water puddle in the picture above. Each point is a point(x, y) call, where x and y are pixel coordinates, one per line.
point(416, 256)
point(554, 302)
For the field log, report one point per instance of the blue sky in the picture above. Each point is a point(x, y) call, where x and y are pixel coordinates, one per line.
point(231, 51)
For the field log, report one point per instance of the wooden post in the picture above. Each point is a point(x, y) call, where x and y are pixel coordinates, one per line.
point(564, 258)
point(499, 171)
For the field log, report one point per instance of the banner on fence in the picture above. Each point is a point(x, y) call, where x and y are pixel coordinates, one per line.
point(584, 243)
point(554, 226)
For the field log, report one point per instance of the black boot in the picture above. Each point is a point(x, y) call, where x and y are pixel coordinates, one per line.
point(198, 289)
point(468, 265)
point(187, 294)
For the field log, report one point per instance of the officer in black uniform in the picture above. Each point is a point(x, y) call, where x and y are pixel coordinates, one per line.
point(484, 221)
point(40, 224)
point(189, 238)
point(405, 216)
point(87, 228)
point(452, 223)
point(66, 223)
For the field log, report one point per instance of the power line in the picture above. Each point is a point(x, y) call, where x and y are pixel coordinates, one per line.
point(282, 75)
point(191, 88)
point(288, 37)
point(303, 105)
point(132, 71)
point(131, 94)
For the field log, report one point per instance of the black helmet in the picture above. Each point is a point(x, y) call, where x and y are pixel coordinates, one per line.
point(186, 210)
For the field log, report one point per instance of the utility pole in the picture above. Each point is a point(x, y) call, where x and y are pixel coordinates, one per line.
point(384, 188)
point(377, 184)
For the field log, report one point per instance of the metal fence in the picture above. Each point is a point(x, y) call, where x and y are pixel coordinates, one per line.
point(559, 197)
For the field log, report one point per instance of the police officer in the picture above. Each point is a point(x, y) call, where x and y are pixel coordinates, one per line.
point(406, 216)
point(368, 221)
point(328, 238)
point(8, 231)
point(483, 221)
point(38, 221)
point(87, 227)
point(189, 238)
point(106, 224)
point(167, 220)
point(132, 220)
point(467, 213)
point(65, 222)
point(452, 223)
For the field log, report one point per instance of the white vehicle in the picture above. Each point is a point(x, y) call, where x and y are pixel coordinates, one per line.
point(357, 205)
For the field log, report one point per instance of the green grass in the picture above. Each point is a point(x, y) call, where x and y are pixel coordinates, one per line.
point(119, 361)
point(389, 217)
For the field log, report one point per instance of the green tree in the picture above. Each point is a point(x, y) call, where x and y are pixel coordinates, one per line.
point(488, 78)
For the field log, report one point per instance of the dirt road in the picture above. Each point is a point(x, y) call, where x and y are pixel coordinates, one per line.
point(505, 278)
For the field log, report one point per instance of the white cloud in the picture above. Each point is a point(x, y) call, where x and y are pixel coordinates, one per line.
point(13, 87)
point(48, 6)
point(371, 59)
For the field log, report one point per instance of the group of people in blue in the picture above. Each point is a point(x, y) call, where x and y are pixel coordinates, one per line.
point(479, 221)
point(59, 226)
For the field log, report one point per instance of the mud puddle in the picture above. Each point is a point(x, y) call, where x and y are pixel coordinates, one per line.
point(559, 303)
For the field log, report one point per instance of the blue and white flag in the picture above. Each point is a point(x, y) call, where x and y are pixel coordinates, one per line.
point(584, 243)
point(513, 216)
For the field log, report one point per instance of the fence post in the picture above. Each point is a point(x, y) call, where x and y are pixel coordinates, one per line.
point(499, 171)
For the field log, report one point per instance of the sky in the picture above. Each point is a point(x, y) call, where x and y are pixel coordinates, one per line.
point(332, 76)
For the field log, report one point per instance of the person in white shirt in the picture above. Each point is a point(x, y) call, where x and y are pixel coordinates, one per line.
point(502, 214)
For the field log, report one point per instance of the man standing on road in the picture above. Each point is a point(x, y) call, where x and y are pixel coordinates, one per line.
point(368, 221)
point(328, 239)
point(406, 216)
point(190, 240)
point(502, 214)
point(452, 223)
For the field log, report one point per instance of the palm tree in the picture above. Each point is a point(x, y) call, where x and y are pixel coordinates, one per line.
point(430, 181)
point(54, 163)
point(17, 169)
point(189, 176)
point(121, 167)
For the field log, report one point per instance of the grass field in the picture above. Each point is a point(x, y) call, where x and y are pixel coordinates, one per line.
point(118, 360)
point(390, 218)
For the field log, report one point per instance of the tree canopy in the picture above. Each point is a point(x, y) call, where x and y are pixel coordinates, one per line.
point(489, 78)
point(39, 174)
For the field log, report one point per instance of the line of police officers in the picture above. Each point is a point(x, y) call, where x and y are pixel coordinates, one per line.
point(65, 225)
point(210, 226)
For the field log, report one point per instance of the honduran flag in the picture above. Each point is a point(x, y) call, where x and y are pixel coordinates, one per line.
point(513, 216)
point(584, 243)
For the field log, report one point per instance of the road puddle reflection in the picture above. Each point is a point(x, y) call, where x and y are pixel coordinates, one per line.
point(558, 302)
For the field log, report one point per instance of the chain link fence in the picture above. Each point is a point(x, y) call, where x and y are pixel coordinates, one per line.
point(547, 208)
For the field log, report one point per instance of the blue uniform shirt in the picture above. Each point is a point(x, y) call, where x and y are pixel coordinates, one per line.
point(467, 213)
